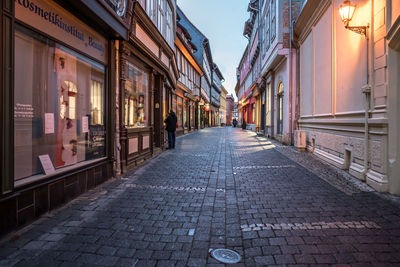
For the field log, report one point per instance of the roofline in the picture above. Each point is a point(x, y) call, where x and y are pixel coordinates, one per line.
point(190, 52)
point(206, 44)
point(218, 71)
point(243, 56)
point(190, 21)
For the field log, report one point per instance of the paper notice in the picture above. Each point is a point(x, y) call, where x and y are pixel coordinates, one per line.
point(47, 165)
point(85, 124)
point(49, 123)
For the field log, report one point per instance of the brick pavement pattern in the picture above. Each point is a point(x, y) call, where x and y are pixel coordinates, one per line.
point(220, 188)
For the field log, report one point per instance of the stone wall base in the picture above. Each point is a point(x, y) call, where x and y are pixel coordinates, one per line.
point(377, 181)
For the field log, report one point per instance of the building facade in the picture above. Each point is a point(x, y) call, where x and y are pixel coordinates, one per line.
point(230, 107)
point(57, 130)
point(188, 86)
point(203, 56)
point(348, 88)
point(223, 107)
point(216, 90)
point(267, 72)
point(148, 79)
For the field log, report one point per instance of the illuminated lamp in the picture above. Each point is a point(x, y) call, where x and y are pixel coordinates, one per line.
point(346, 11)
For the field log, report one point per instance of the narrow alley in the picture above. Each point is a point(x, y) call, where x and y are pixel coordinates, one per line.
point(220, 188)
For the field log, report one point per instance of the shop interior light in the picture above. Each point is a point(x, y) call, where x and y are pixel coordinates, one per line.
point(346, 12)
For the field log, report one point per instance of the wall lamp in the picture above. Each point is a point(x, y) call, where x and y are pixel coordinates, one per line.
point(346, 12)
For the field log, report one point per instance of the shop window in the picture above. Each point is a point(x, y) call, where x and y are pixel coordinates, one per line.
point(185, 114)
point(164, 104)
point(174, 104)
point(179, 111)
point(136, 88)
point(192, 114)
point(253, 113)
point(96, 102)
point(53, 110)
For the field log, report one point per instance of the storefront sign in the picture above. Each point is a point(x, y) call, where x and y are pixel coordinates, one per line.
point(53, 20)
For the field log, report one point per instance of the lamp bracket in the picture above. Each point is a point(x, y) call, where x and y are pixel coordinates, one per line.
point(358, 29)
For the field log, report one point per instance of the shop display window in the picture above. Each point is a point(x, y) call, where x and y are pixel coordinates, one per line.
point(179, 111)
point(185, 114)
point(174, 104)
point(59, 105)
point(192, 115)
point(136, 87)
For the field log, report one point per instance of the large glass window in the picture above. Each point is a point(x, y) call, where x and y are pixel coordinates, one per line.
point(174, 104)
point(136, 88)
point(179, 111)
point(185, 114)
point(192, 115)
point(58, 105)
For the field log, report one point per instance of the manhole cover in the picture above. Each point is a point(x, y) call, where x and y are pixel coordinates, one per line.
point(225, 255)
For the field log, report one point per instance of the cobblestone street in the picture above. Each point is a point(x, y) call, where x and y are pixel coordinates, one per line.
point(220, 188)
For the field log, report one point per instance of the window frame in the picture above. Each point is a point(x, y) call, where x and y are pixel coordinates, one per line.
point(88, 59)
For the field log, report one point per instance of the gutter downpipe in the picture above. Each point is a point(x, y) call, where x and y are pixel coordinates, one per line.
point(117, 143)
point(290, 74)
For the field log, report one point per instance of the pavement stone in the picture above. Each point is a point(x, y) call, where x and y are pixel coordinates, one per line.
point(220, 188)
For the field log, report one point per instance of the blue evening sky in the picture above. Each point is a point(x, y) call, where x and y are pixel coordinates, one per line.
point(222, 22)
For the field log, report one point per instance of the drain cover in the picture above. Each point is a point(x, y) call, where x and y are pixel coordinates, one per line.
point(225, 255)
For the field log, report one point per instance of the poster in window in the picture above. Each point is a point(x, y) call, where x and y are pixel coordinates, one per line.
point(67, 141)
point(47, 165)
point(49, 123)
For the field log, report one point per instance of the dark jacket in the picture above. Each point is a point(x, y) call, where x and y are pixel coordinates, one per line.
point(171, 122)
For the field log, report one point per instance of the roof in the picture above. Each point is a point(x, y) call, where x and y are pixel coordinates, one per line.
point(218, 72)
point(305, 15)
point(198, 38)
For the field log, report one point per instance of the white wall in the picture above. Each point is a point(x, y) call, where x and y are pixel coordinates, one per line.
point(323, 64)
point(351, 65)
point(306, 76)
point(281, 75)
point(333, 66)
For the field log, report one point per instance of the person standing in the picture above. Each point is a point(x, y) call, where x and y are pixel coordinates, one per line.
point(171, 124)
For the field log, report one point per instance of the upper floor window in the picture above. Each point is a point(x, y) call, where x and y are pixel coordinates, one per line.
point(150, 10)
point(273, 20)
point(161, 15)
point(169, 35)
point(267, 30)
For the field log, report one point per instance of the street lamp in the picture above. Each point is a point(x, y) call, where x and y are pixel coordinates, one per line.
point(346, 12)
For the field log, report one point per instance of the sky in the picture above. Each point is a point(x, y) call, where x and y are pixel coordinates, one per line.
point(222, 22)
